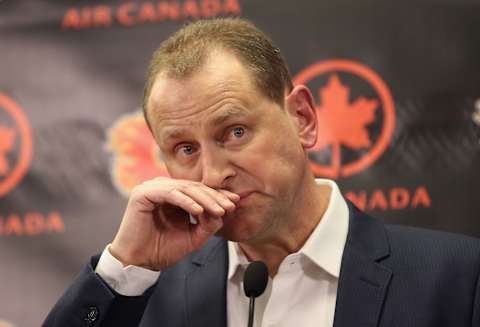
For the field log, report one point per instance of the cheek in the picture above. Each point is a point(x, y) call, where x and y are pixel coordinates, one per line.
point(286, 163)
point(274, 162)
point(178, 172)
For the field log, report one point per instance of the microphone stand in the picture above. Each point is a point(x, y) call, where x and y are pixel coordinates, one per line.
point(251, 309)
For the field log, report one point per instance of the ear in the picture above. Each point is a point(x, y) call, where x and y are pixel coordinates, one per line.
point(300, 107)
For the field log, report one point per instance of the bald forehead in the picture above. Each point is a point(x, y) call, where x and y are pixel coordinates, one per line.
point(168, 92)
point(221, 74)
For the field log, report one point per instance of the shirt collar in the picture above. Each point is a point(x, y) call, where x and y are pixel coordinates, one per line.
point(236, 259)
point(326, 243)
point(324, 247)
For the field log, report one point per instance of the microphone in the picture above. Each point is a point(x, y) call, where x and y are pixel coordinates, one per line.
point(254, 283)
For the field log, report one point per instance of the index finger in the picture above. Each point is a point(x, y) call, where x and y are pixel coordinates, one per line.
point(232, 196)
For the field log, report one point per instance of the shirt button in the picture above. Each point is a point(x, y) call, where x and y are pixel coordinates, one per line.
point(92, 315)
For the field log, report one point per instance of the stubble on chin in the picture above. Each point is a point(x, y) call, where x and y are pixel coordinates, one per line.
point(253, 224)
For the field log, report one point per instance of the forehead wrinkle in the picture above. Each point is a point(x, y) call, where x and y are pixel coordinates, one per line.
point(192, 113)
point(165, 110)
point(226, 115)
point(208, 84)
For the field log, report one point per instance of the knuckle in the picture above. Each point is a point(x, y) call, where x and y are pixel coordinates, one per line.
point(171, 190)
point(136, 191)
point(190, 201)
point(180, 187)
point(196, 184)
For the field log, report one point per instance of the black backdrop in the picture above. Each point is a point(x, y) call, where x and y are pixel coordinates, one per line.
point(397, 89)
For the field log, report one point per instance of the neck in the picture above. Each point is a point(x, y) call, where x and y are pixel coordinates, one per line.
point(290, 236)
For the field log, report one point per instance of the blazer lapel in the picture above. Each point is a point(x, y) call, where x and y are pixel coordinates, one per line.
point(205, 286)
point(363, 282)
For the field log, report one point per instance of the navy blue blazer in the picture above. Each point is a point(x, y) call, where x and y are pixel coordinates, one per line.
point(391, 276)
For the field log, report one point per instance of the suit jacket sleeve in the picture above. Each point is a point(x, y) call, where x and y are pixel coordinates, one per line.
point(89, 301)
point(476, 304)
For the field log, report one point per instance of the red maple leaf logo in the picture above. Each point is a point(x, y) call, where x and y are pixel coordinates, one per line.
point(7, 141)
point(342, 122)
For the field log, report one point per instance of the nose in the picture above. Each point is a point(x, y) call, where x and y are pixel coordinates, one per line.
point(216, 167)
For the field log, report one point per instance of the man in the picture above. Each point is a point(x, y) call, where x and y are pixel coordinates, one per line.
point(234, 133)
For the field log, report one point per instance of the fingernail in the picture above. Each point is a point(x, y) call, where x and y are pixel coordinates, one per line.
point(219, 209)
point(228, 203)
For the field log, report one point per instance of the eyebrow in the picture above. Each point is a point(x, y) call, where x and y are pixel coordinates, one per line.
point(171, 134)
point(226, 115)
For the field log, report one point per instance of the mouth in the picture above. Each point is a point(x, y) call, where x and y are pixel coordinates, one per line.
point(244, 196)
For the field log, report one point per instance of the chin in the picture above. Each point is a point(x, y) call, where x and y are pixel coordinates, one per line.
point(242, 227)
point(233, 229)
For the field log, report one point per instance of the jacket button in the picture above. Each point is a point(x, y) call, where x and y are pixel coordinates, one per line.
point(92, 316)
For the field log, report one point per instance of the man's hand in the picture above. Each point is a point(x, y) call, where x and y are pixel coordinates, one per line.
point(155, 232)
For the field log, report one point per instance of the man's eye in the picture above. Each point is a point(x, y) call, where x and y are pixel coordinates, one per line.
point(186, 149)
point(238, 132)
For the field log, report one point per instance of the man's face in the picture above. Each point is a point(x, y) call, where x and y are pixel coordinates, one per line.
point(215, 127)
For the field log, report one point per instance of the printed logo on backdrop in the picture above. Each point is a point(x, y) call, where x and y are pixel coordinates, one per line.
point(132, 13)
point(16, 147)
point(136, 157)
point(15, 144)
point(356, 117)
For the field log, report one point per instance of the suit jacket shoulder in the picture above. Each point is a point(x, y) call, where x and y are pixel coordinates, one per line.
point(405, 276)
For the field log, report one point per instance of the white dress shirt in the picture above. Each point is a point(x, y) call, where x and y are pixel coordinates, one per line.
point(302, 293)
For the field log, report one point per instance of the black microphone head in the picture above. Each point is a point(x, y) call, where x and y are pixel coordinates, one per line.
point(255, 279)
